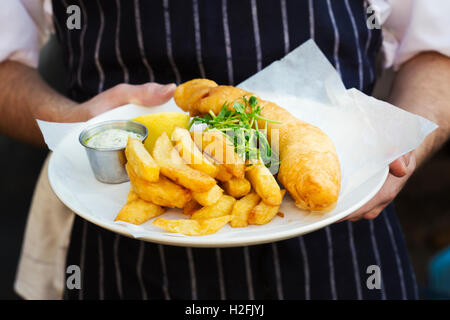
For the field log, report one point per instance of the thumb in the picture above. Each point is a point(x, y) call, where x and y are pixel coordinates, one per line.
point(399, 167)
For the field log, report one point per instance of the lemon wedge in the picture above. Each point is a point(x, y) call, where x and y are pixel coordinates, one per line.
point(157, 123)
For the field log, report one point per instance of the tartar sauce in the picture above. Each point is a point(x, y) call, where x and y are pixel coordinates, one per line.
point(111, 138)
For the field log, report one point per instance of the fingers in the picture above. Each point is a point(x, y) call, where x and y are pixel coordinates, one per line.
point(369, 215)
point(381, 199)
point(373, 213)
point(149, 94)
point(403, 168)
point(386, 195)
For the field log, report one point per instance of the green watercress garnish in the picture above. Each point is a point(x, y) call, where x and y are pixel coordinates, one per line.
point(240, 125)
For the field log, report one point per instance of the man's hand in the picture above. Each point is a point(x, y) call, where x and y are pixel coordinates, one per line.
point(25, 97)
point(149, 94)
point(420, 87)
point(399, 172)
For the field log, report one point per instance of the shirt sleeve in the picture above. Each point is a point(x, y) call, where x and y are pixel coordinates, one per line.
point(415, 26)
point(24, 28)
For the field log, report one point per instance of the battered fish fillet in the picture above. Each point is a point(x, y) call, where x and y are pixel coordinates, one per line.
point(309, 167)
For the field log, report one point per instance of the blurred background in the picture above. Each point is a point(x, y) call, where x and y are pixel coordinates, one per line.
point(423, 206)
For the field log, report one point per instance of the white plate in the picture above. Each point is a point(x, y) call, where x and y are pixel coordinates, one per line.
point(73, 182)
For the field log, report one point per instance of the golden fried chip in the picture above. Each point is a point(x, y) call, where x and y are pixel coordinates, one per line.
point(263, 213)
point(242, 208)
point(174, 167)
point(192, 227)
point(191, 207)
point(213, 225)
point(132, 195)
point(209, 197)
point(220, 208)
point(138, 211)
point(264, 184)
point(185, 226)
point(190, 153)
point(222, 173)
point(141, 161)
point(218, 146)
point(237, 187)
point(163, 192)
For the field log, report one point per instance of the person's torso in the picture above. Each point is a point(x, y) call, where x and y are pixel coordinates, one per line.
point(137, 41)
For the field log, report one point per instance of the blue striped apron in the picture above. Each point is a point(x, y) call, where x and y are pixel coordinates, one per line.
point(137, 41)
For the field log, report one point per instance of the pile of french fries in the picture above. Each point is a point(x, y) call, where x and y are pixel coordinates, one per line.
point(200, 173)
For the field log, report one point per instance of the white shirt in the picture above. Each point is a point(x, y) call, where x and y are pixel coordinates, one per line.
point(409, 27)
